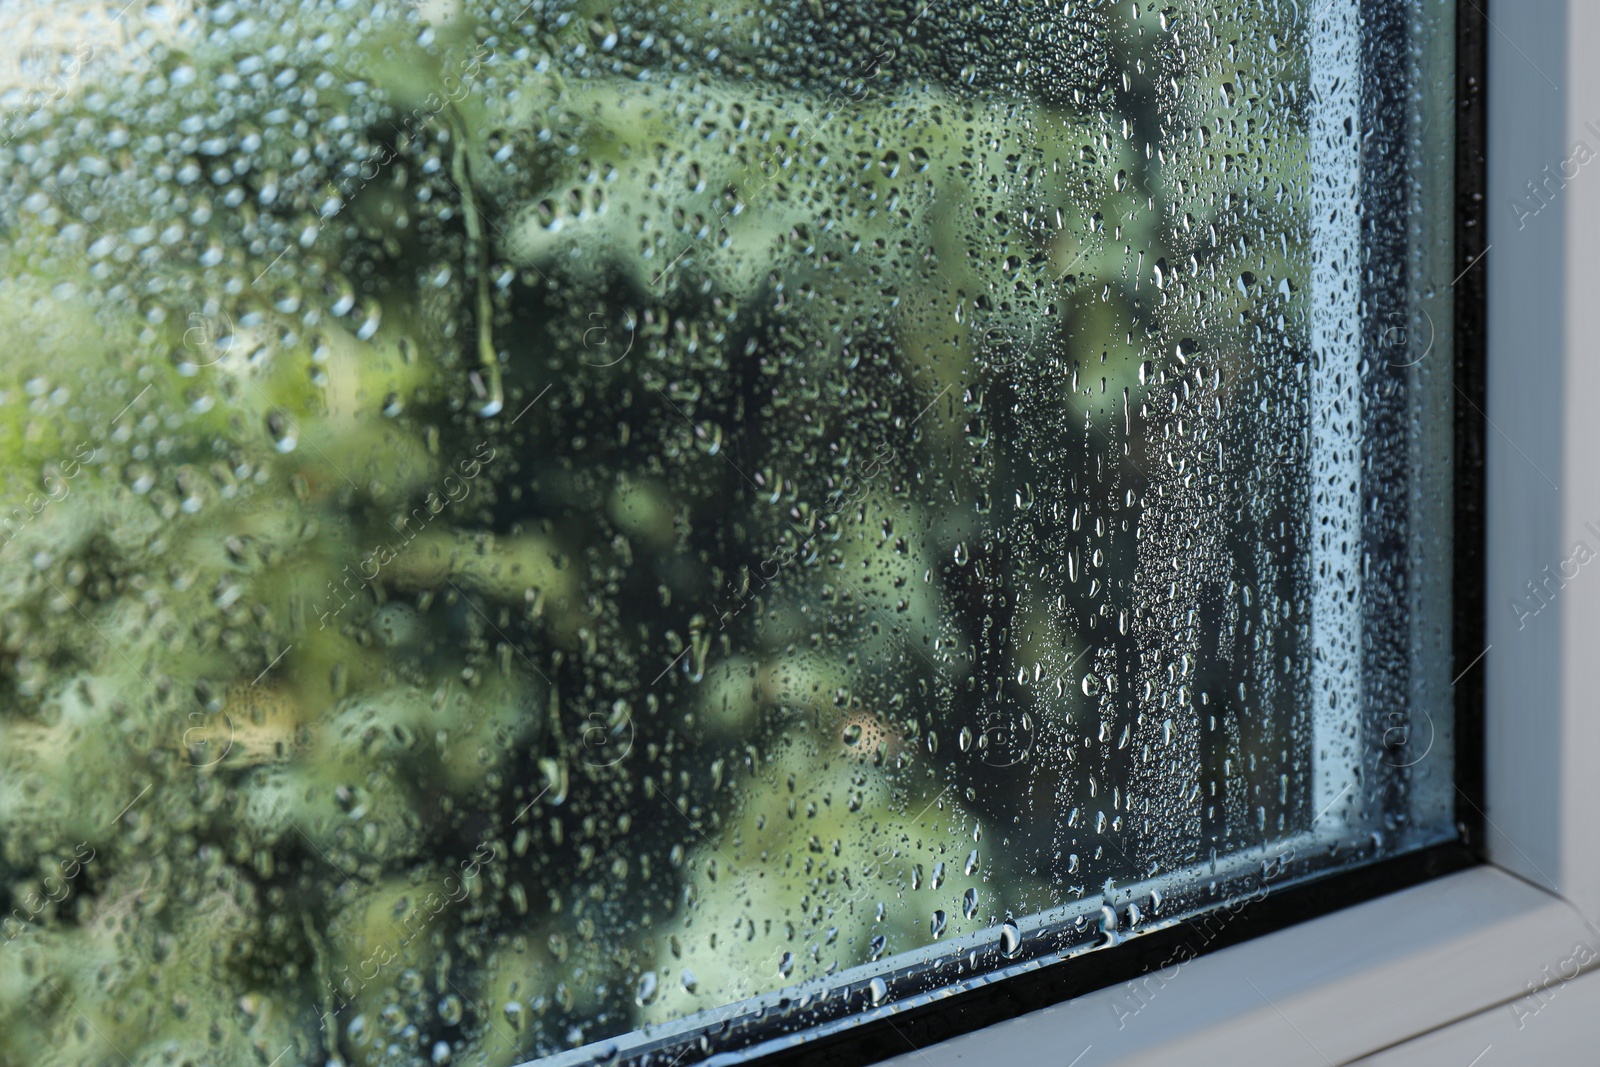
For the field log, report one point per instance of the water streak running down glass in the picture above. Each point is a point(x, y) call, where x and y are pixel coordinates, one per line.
point(578, 529)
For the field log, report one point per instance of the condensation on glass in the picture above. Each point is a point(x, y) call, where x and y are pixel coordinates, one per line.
point(558, 530)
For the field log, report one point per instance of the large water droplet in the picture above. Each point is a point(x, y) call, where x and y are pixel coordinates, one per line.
point(1010, 939)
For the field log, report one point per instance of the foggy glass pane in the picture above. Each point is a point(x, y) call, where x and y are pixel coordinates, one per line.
point(524, 525)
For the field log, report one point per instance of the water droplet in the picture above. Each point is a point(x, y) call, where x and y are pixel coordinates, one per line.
point(1010, 939)
point(281, 427)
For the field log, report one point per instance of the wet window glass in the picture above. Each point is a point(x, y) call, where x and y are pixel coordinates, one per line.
point(557, 529)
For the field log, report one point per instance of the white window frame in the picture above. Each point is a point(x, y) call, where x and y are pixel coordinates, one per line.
point(1488, 966)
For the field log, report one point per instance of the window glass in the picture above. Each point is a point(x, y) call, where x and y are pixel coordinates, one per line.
point(559, 529)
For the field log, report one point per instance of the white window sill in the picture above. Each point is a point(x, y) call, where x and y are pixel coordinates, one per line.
point(1328, 991)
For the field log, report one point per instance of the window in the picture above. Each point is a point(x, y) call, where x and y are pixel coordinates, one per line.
point(578, 531)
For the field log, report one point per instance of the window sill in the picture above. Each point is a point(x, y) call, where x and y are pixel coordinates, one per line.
point(1327, 991)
